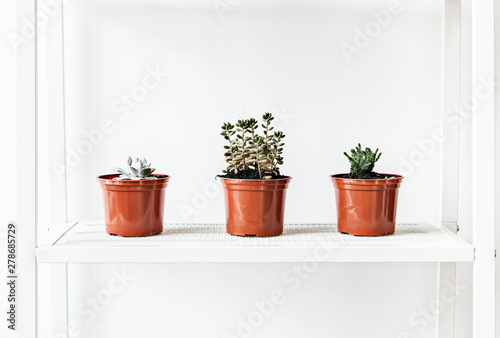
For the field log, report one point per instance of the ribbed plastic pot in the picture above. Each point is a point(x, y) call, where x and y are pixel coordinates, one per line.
point(133, 208)
point(366, 207)
point(255, 207)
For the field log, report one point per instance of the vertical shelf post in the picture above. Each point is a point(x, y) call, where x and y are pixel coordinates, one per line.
point(445, 325)
point(56, 117)
point(26, 173)
point(59, 299)
point(483, 208)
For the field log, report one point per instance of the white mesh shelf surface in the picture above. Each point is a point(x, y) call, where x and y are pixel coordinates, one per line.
point(88, 242)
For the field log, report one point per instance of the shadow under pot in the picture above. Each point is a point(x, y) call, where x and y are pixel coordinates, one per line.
point(255, 207)
point(133, 208)
point(366, 207)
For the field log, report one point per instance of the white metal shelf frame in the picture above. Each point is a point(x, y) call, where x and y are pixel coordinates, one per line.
point(484, 194)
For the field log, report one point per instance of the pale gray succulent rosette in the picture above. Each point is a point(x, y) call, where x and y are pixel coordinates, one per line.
point(139, 168)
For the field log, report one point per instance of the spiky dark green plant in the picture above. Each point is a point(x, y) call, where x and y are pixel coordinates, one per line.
point(362, 162)
point(250, 151)
point(140, 169)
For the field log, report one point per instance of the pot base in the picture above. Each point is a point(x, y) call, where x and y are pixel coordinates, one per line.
point(123, 235)
point(367, 235)
point(232, 233)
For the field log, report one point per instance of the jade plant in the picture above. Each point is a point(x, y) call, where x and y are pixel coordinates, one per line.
point(249, 155)
point(362, 163)
point(140, 169)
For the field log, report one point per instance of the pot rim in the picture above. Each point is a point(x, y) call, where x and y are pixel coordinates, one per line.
point(368, 180)
point(108, 179)
point(255, 180)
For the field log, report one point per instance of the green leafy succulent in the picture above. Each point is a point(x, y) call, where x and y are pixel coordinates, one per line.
point(246, 150)
point(140, 169)
point(362, 162)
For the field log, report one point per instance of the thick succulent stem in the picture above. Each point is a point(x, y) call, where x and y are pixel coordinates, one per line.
point(253, 152)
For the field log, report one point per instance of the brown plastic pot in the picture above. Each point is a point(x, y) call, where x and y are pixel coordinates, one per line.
point(366, 207)
point(133, 208)
point(255, 207)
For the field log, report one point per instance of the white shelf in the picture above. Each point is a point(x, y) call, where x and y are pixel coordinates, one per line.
point(87, 242)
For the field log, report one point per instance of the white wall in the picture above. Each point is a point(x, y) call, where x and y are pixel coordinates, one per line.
point(284, 58)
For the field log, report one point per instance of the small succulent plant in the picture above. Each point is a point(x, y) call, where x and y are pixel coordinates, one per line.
point(140, 169)
point(248, 151)
point(363, 162)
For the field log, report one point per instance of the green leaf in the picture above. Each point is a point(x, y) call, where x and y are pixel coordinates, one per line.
point(134, 171)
